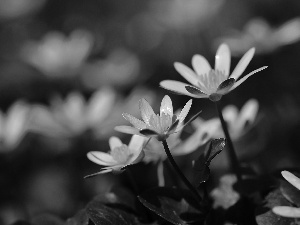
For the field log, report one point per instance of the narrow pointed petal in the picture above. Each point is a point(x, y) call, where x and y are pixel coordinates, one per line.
point(222, 59)
point(177, 87)
point(180, 127)
point(242, 64)
point(195, 91)
point(186, 72)
point(101, 158)
point(185, 111)
point(166, 106)
point(127, 130)
point(136, 144)
point(287, 211)
point(138, 124)
point(146, 110)
point(292, 179)
point(200, 65)
point(246, 77)
point(173, 127)
point(114, 142)
point(225, 86)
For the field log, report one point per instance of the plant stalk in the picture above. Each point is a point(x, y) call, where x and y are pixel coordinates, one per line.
point(231, 152)
point(178, 171)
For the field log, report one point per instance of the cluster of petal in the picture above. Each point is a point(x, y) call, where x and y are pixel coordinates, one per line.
point(73, 116)
point(120, 155)
point(288, 211)
point(238, 122)
point(159, 126)
point(14, 125)
point(207, 82)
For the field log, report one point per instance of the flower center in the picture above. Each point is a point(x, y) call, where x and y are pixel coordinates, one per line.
point(210, 81)
point(160, 124)
point(121, 154)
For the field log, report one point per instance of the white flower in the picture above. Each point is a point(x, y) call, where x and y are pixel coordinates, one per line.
point(57, 55)
point(160, 125)
point(14, 125)
point(238, 122)
point(120, 155)
point(73, 116)
point(288, 211)
point(207, 82)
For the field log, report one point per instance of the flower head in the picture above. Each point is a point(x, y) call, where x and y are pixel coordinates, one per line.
point(120, 155)
point(207, 82)
point(158, 125)
point(288, 211)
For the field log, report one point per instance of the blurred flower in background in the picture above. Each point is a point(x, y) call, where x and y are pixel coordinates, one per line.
point(11, 9)
point(74, 115)
point(260, 34)
point(13, 125)
point(119, 69)
point(57, 55)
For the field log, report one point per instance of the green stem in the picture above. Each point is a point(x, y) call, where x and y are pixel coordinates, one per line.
point(231, 152)
point(181, 175)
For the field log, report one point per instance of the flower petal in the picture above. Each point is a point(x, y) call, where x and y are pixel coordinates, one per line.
point(248, 112)
point(114, 142)
point(101, 158)
point(222, 59)
point(148, 132)
point(225, 86)
point(136, 144)
point(166, 106)
point(146, 110)
point(104, 170)
point(186, 72)
point(287, 211)
point(127, 130)
point(138, 124)
point(184, 111)
point(237, 83)
point(242, 64)
point(180, 126)
point(176, 87)
point(291, 178)
point(200, 65)
point(196, 92)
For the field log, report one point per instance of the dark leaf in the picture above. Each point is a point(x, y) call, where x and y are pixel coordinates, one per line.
point(201, 165)
point(177, 206)
point(101, 214)
point(265, 216)
point(80, 218)
point(47, 219)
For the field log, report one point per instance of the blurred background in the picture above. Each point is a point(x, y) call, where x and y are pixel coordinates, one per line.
point(68, 69)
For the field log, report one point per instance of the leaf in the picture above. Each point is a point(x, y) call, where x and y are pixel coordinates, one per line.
point(101, 214)
point(80, 218)
point(201, 165)
point(47, 219)
point(264, 214)
point(178, 206)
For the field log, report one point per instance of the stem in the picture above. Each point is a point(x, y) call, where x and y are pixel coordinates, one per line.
point(181, 175)
point(231, 152)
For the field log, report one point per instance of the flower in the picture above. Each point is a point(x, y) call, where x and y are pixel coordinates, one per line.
point(160, 125)
point(259, 33)
point(120, 155)
point(207, 82)
point(238, 122)
point(73, 116)
point(14, 125)
point(288, 211)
